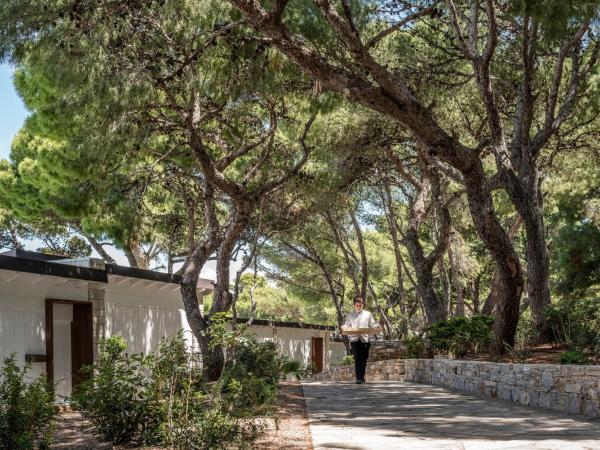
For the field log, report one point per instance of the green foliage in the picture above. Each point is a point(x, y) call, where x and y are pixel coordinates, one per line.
point(26, 409)
point(573, 357)
point(251, 375)
point(159, 399)
point(347, 360)
point(415, 347)
point(578, 257)
point(119, 399)
point(518, 353)
point(461, 335)
point(575, 321)
point(526, 332)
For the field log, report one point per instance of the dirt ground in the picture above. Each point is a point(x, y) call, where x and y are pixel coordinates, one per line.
point(541, 354)
point(288, 431)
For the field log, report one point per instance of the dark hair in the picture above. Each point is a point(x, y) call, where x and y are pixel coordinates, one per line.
point(358, 299)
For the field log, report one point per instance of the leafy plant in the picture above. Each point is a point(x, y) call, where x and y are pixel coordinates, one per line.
point(526, 332)
point(26, 409)
point(518, 353)
point(119, 399)
point(573, 357)
point(460, 335)
point(347, 360)
point(415, 347)
point(161, 399)
point(575, 322)
point(258, 366)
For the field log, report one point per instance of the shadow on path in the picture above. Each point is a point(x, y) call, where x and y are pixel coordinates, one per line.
point(395, 413)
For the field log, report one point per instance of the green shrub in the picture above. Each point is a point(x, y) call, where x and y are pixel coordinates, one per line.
point(526, 332)
point(576, 322)
point(161, 399)
point(518, 353)
point(415, 347)
point(26, 409)
point(258, 367)
point(573, 357)
point(461, 335)
point(119, 399)
point(347, 360)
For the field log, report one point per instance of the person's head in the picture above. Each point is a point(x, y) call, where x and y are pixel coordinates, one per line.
point(358, 303)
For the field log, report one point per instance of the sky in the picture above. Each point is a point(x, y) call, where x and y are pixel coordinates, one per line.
point(12, 110)
point(12, 117)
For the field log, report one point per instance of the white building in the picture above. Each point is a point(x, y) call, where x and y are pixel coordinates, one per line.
point(54, 311)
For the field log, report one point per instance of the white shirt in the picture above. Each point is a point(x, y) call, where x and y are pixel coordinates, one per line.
point(363, 319)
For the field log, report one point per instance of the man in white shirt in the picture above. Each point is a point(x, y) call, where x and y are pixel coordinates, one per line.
point(360, 344)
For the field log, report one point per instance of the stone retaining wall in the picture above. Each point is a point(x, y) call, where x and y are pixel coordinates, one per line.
point(382, 350)
point(569, 388)
point(390, 370)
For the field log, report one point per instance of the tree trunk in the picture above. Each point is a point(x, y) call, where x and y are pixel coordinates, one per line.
point(213, 359)
point(364, 268)
point(393, 227)
point(538, 271)
point(457, 283)
point(475, 293)
point(526, 195)
point(432, 306)
point(99, 248)
point(510, 279)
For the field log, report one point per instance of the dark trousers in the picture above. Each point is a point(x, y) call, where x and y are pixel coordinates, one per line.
point(360, 351)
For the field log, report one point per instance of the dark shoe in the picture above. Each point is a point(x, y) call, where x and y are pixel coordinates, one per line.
point(359, 382)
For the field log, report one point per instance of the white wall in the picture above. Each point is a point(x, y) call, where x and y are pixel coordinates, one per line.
point(336, 351)
point(143, 313)
point(22, 318)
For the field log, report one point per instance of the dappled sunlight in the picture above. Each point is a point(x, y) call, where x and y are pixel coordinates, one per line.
point(397, 410)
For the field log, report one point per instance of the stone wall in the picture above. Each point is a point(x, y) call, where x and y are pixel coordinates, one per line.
point(382, 350)
point(389, 370)
point(569, 388)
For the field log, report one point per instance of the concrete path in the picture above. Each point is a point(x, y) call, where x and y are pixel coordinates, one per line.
point(396, 415)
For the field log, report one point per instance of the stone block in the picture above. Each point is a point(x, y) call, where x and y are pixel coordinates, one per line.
point(547, 380)
point(572, 388)
point(573, 404)
point(591, 408)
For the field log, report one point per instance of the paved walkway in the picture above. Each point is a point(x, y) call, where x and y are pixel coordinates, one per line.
point(395, 415)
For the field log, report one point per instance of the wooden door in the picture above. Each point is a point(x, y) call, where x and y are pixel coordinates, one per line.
point(317, 354)
point(81, 341)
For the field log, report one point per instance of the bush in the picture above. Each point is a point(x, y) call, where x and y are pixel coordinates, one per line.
point(347, 360)
point(26, 409)
point(119, 398)
point(573, 357)
point(576, 322)
point(415, 347)
point(258, 367)
point(526, 333)
point(461, 335)
point(159, 399)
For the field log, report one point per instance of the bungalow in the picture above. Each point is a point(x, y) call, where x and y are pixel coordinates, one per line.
point(54, 311)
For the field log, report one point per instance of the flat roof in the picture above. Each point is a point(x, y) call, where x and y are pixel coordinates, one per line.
point(44, 264)
point(277, 323)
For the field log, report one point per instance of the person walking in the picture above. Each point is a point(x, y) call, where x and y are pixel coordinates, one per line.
point(360, 318)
